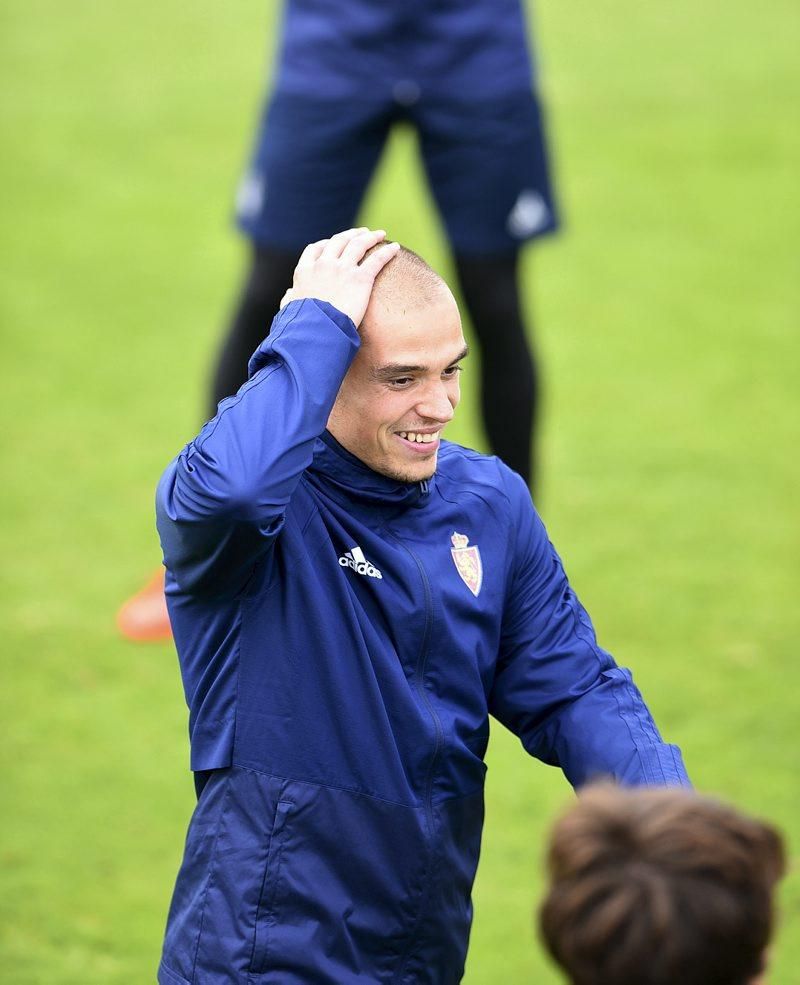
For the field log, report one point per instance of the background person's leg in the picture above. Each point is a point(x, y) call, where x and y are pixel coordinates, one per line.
point(488, 169)
point(267, 279)
point(509, 385)
point(312, 161)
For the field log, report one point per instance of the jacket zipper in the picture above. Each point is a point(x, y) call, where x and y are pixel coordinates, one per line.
point(419, 670)
point(419, 685)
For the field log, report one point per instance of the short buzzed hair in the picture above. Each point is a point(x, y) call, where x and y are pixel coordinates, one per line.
point(658, 887)
point(407, 277)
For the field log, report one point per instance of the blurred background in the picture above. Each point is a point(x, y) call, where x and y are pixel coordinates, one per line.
point(666, 314)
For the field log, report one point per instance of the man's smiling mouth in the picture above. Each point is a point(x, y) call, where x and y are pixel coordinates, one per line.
point(420, 437)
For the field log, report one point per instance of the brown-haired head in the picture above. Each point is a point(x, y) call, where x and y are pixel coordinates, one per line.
point(659, 887)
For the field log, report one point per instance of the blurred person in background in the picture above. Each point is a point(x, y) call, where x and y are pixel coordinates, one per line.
point(462, 75)
point(660, 887)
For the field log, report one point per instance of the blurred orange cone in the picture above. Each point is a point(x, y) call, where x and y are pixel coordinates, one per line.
point(144, 616)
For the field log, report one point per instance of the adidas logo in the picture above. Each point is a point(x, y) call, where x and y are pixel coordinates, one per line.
point(354, 558)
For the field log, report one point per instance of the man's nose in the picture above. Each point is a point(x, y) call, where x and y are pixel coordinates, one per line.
point(437, 403)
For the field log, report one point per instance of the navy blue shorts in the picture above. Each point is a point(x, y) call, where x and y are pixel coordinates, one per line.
point(486, 163)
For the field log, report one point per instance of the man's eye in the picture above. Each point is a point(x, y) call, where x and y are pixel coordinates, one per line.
point(451, 371)
point(400, 381)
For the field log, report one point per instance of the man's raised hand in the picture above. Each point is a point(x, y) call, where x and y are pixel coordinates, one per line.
point(331, 270)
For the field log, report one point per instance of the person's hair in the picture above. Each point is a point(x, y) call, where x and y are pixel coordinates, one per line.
point(406, 277)
point(659, 887)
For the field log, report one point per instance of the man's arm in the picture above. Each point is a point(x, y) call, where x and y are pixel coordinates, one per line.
point(555, 688)
point(221, 502)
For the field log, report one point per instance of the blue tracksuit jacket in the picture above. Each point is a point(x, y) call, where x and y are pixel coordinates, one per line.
point(343, 640)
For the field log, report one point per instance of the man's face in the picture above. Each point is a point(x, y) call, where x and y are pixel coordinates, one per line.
point(402, 388)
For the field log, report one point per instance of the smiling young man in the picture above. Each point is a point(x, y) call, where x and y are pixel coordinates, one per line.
point(351, 597)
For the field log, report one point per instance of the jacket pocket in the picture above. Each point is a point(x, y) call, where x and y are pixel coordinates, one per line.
point(266, 914)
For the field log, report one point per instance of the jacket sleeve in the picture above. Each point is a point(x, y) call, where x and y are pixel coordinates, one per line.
point(554, 687)
point(221, 503)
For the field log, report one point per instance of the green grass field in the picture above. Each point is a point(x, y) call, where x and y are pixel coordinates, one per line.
point(665, 318)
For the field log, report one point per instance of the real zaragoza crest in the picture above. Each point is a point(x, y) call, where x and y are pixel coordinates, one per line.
point(468, 562)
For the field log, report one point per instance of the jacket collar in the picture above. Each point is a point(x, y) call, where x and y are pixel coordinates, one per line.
point(349, 480)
